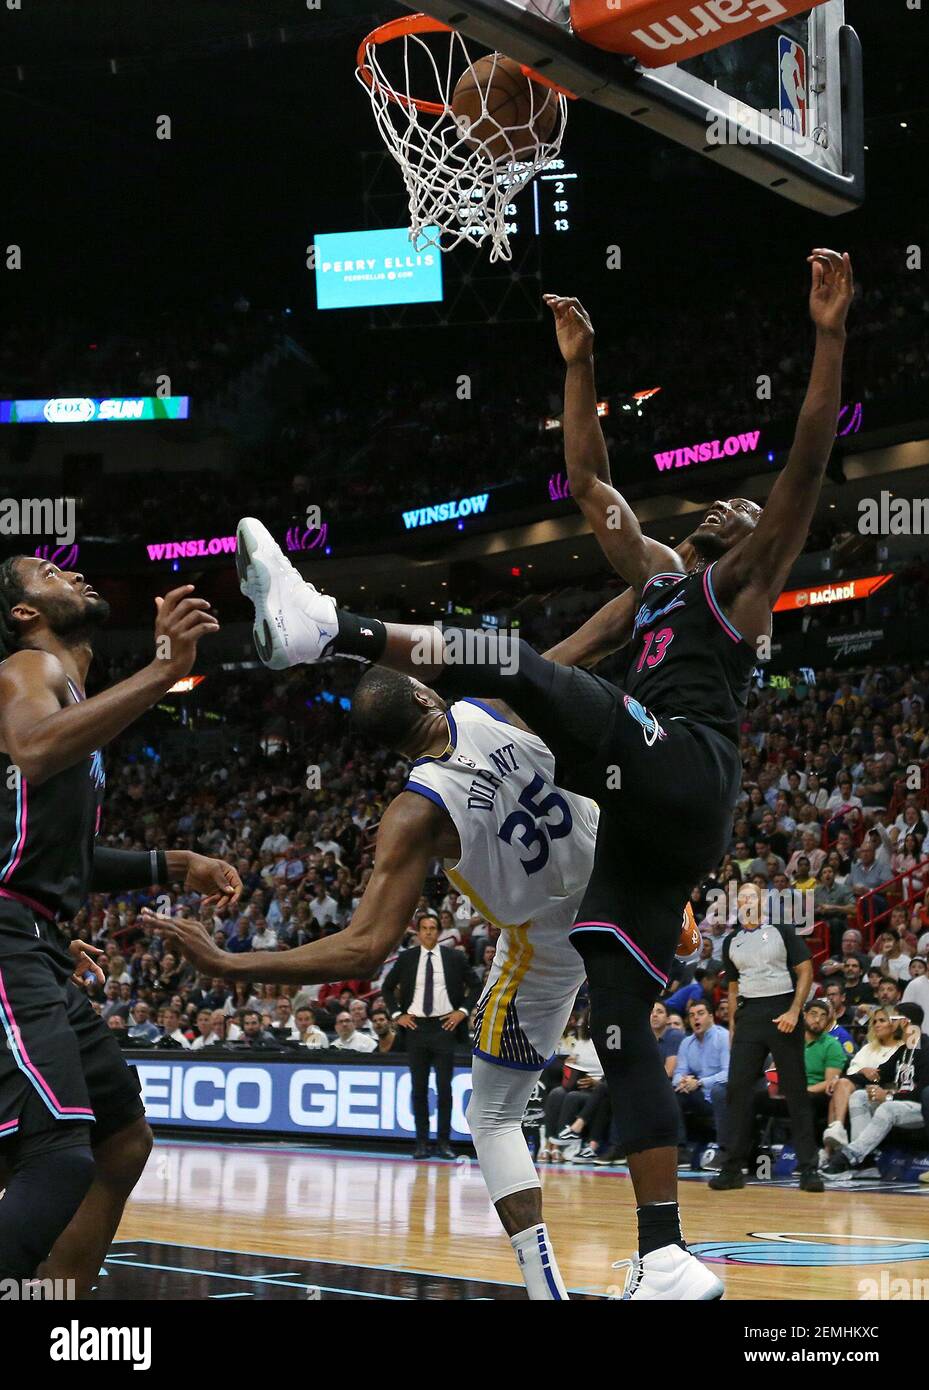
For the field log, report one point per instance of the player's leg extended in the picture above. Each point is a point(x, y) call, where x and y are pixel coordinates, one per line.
point(50, 1168)
point(495, 1115)
point(80, 1250)
point(626, 933)
point(519, 1020)
point(122, 1142)
point(567, 707)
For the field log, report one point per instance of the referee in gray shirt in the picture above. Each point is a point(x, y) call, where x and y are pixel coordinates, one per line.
point(769, 973)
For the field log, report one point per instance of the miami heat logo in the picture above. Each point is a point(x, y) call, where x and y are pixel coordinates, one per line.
point(650, 726)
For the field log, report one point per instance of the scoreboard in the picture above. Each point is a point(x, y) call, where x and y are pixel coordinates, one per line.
point(549, 206)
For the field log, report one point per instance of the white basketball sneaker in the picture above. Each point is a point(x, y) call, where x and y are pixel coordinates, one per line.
point(671, 1274)
point(294, 622)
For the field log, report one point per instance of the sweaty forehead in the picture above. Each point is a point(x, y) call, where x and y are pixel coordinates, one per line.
point(745, 504)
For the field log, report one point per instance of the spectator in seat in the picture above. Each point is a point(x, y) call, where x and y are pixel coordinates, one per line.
point(890, 958)
point(359, 1012)
point(389, 1038)
point(895, 1099)
point(842, 1011)
point(254, 1033)
point(324, 909)
point(172, 1028)
point(868, 873)
point(348, 1039)
point(851, 948)
point(306, 1029)
point(823, 1055)
point(141, 1025)
point(205, 1034)
point(917, 991)
point(700, 1072)
point(668, 1039)
point(241, 939)
point(810, 851)
point(889, 991)
point(703, 987)
point(885, 1034)
point(834, 903)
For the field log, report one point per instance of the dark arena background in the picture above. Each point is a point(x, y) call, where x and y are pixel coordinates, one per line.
point(211, 309)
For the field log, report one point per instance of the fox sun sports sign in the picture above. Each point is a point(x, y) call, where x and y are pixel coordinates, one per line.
point(290, 1097)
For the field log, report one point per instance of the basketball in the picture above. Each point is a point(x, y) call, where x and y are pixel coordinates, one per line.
point(496, 105)
point(689, 939)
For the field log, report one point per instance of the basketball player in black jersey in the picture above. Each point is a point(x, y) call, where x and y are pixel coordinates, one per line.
point(73, 1136)
point(659, 754)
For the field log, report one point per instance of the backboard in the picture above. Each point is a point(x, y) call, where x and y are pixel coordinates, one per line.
point(782, 106)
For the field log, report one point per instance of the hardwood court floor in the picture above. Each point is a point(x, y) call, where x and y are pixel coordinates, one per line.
point(268, 1221)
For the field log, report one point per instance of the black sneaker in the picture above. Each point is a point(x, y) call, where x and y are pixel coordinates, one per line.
point(421, 1151)
point(443, 1149)
point(608, 1156)
point(727, 1180)
point(810, 1181)
point(837, 1167)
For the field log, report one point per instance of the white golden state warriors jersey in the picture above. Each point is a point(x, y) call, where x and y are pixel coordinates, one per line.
point(526, 845)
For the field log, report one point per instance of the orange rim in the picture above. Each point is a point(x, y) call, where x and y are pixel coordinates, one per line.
point(407, 26)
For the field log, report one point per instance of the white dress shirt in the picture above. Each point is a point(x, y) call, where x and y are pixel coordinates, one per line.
point(441, 1004)
point(356, 1042)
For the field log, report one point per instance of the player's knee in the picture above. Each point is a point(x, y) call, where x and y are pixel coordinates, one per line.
point(122, 1160)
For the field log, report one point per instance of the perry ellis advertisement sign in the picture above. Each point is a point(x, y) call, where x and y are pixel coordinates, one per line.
point(359, 269)
point(290, 1097)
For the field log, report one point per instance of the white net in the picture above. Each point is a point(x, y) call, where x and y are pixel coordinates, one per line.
point(461, 172)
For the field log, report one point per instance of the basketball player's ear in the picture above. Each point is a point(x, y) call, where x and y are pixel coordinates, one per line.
point(23, 612)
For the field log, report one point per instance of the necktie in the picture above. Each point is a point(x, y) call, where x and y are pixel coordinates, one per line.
point(427, 987)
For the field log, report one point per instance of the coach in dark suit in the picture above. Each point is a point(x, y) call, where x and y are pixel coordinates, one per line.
point(430, 990)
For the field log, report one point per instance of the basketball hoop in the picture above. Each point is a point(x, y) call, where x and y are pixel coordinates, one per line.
point(461, 176)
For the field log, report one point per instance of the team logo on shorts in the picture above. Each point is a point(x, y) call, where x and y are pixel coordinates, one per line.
point(650, 726)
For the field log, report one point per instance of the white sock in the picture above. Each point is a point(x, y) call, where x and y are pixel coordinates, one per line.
point(538, 1265)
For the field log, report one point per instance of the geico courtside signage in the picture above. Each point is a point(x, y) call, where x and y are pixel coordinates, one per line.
point(839, 592)
point(87, 410)
point(290, 1097)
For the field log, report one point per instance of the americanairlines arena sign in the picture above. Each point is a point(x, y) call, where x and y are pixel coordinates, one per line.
point(842, 592)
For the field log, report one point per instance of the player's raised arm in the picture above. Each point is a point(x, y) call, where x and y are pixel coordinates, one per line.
point(407, 840)
point(752, 575)
point(43, 733)
point(633, 555)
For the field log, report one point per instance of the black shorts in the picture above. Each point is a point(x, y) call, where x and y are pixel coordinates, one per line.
point(56, 1047)
point(666, 788)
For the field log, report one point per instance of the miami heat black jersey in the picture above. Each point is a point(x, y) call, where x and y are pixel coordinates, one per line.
point(687, 658)
point(47, 834)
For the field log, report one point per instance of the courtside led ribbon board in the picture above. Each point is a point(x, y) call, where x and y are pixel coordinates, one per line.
point(840, 592)
point(85, 410)
point(355, 270)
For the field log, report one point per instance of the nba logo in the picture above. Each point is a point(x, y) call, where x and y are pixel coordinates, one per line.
point(792, 83)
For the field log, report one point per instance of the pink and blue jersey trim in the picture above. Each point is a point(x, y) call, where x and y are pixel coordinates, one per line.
point(715, 609)
point(611, 929)
point(31, 1072)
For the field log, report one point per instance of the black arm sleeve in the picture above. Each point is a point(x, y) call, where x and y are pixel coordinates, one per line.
point(796, 947)
point(729, 965)
point(118, 868)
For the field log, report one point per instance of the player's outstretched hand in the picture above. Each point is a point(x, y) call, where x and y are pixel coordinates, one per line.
point(86, 960)
point(217, 880)
point(180, 621)
point(573, 327)
point(833, 289)
point(191, 938)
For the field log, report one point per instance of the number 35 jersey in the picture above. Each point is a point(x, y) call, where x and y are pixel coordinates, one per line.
point(526, 845)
